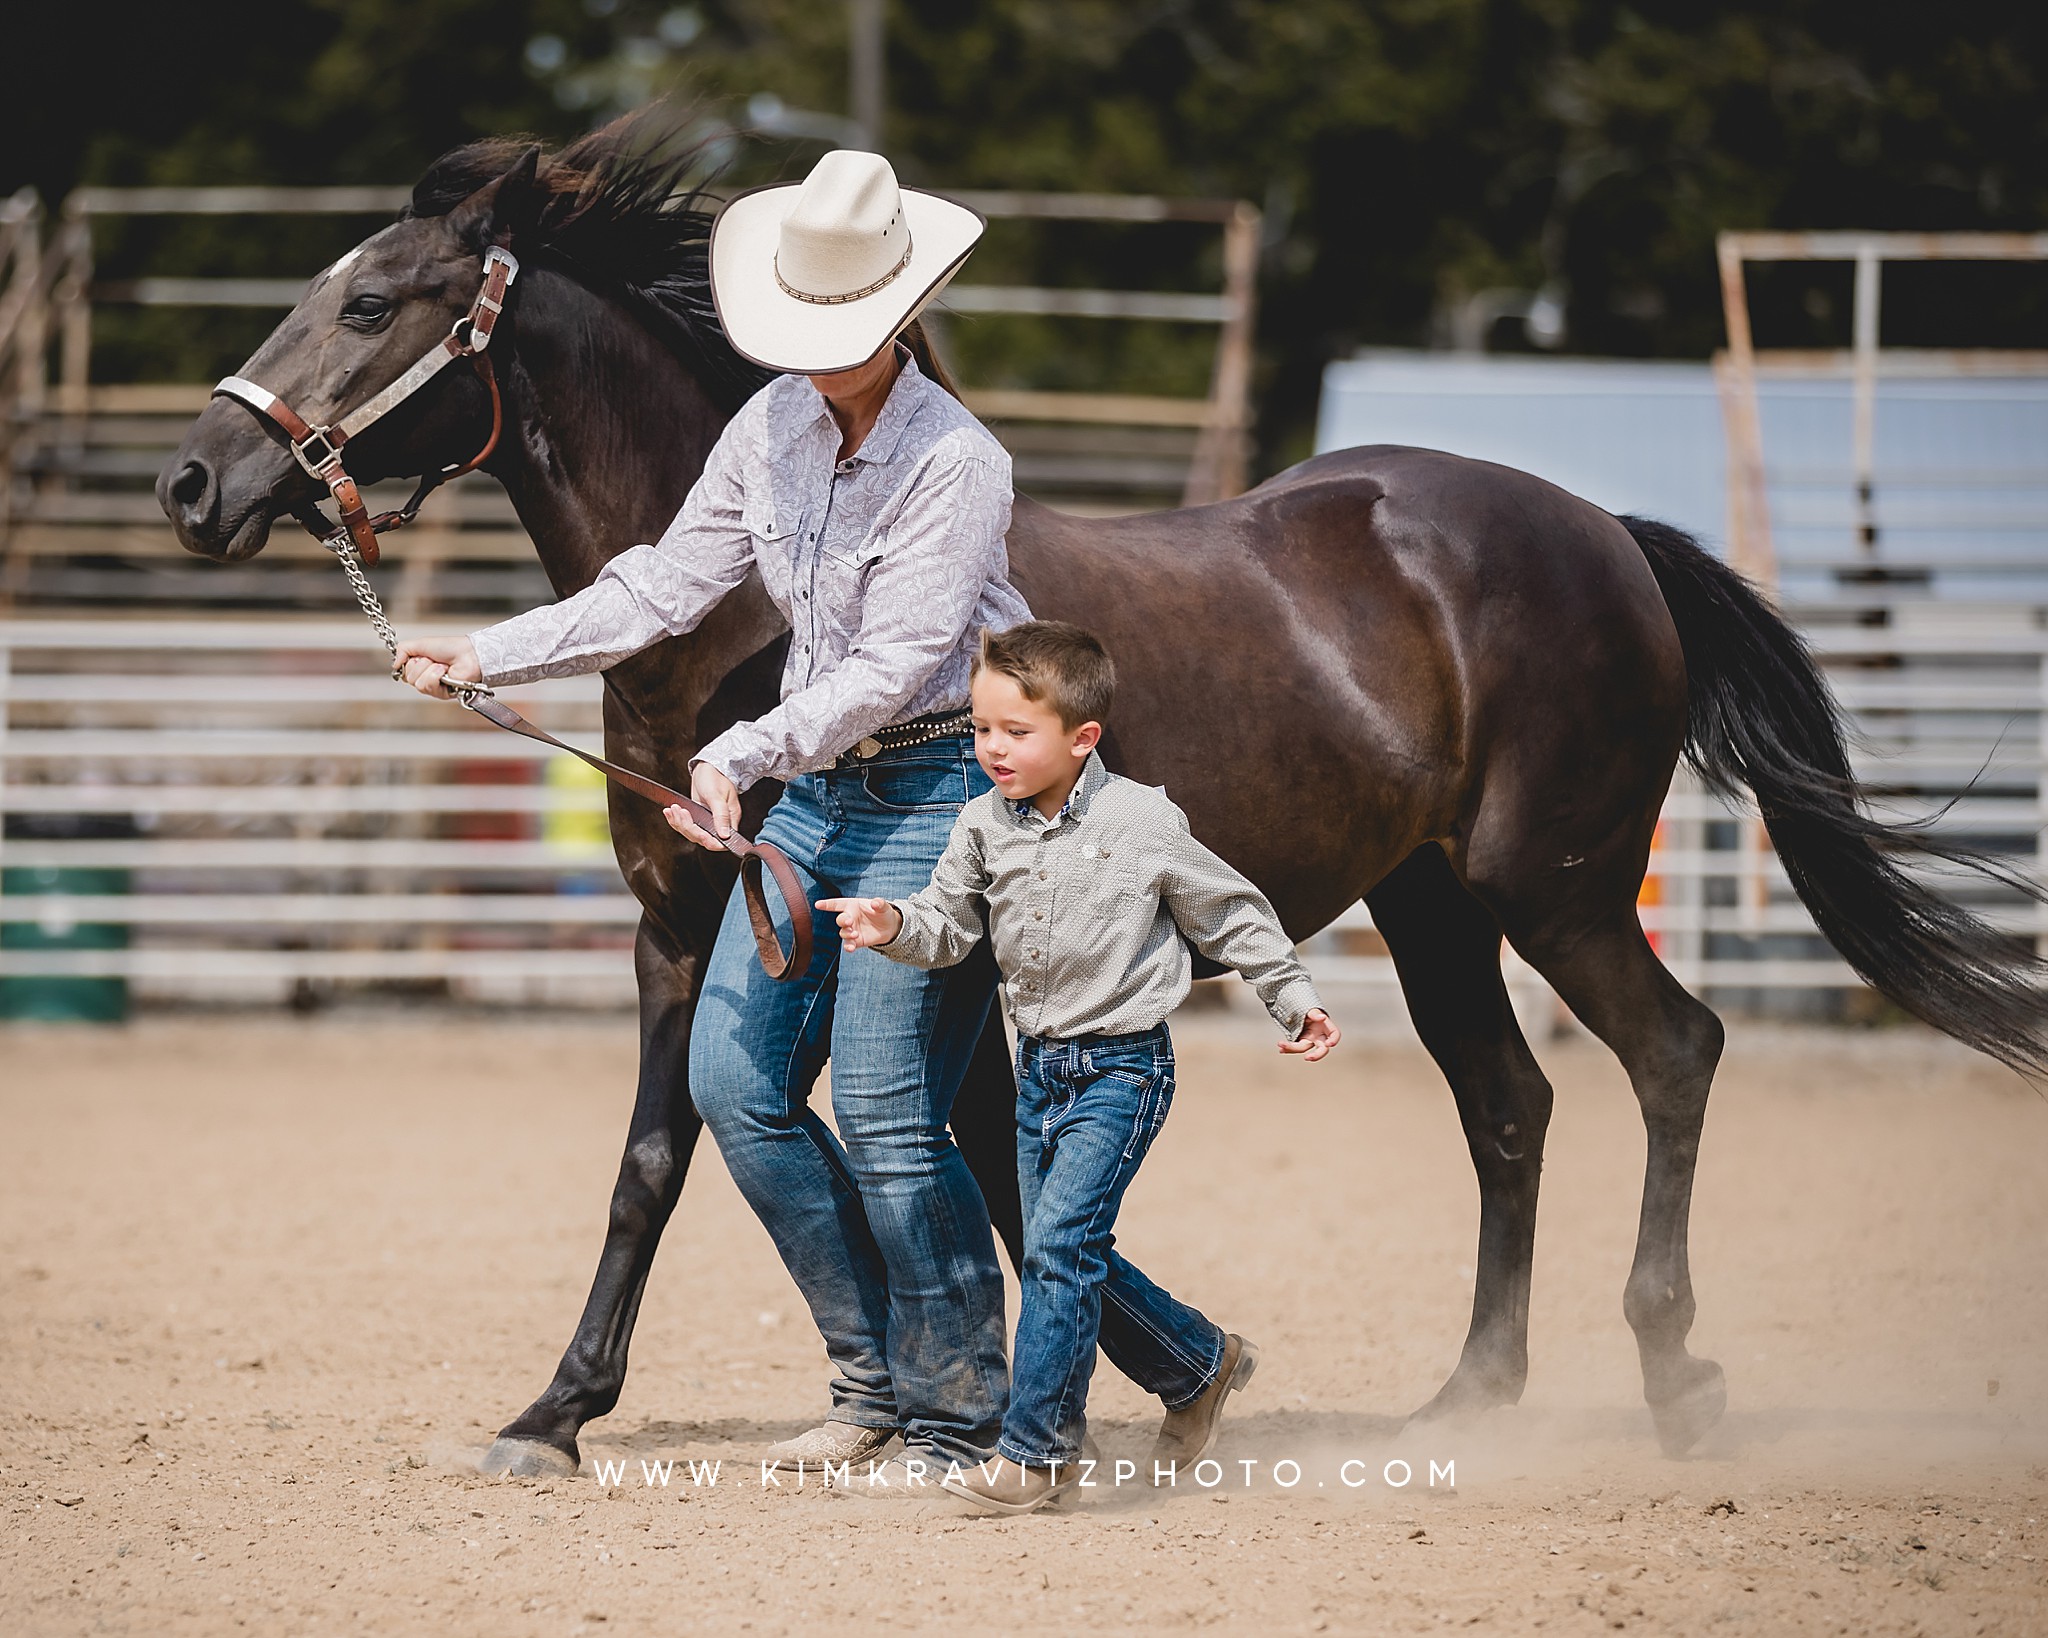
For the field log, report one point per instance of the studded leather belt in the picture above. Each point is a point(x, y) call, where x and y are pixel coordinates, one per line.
point(901, 736)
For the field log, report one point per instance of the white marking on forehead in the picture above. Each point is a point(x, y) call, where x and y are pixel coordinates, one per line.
point(343, 262)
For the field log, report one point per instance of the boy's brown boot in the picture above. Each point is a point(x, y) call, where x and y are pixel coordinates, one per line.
point(1186, 1434)
point(1002, 1486)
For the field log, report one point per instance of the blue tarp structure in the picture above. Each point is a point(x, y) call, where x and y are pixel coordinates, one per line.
point(1961, 461)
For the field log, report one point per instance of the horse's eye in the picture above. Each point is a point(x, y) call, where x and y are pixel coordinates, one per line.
point(365, 309)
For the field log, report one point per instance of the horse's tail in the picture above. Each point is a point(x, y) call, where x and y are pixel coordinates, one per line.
point(1759, 713)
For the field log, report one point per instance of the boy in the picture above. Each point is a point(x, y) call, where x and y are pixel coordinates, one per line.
point(1090, 882)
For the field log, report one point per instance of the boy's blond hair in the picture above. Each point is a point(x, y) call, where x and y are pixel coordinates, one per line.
point(1063, 666)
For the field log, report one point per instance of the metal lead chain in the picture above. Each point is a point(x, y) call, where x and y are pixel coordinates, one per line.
point(344, 550)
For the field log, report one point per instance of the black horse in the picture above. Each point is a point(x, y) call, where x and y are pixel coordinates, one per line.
point(1442, 686)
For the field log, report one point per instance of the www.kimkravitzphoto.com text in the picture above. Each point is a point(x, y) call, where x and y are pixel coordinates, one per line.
point(1090, 1473)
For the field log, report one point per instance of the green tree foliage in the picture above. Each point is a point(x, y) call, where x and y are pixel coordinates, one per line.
point(1410, 154)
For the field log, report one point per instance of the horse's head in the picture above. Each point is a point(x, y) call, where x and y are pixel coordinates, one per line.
point(361, 324)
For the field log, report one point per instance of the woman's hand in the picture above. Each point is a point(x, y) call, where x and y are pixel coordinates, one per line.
point(1318, 1035)
point(713, 790)
point(864, 923)
point(424, 661)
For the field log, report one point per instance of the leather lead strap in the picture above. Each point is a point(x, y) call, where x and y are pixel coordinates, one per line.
point(752, 855)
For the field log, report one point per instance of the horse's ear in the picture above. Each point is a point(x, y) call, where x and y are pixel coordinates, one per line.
point(498, 212)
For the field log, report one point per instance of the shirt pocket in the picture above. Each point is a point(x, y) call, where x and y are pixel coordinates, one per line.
point(776, 531)
point(842, 583)
point(1107, 885)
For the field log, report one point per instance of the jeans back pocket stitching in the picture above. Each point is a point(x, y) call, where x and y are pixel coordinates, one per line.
point(1164, 1103)
point(1141, 1127)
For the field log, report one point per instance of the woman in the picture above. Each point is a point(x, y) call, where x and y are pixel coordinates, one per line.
point(875, 506)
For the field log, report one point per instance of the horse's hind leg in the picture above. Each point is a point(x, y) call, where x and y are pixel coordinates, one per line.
point(1669, 1043)
point(1446, 947)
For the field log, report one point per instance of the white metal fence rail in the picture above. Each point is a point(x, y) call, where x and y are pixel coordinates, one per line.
point(286, 814)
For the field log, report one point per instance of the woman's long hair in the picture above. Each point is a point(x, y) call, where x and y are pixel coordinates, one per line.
point(913, 336)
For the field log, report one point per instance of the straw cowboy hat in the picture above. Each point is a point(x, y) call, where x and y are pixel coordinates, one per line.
point(820, 275)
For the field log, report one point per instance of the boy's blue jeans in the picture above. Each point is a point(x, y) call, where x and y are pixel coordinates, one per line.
point(1087, 1110)
point(882, 1228)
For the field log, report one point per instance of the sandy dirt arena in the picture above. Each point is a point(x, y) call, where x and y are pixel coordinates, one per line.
point(266, 1290)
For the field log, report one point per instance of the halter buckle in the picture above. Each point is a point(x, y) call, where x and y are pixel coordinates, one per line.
point(482, 318)
point(327, 462)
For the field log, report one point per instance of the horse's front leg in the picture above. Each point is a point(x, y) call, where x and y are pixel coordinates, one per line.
point(542, 1438)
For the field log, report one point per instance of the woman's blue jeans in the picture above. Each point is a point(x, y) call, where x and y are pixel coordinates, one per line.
point(1087, 1111)
point(883, 1229)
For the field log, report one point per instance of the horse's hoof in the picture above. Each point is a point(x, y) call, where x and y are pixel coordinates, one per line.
point(1687, 1414)
point(527, 1459)
point(1468, 1395)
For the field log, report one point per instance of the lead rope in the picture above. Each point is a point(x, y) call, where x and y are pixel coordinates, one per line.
point(779, 964)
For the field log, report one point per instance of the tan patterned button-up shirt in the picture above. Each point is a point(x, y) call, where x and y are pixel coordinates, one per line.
point(886, 565)
point(1088, 913)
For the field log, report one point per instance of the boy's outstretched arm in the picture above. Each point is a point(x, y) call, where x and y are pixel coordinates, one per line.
point(1229, 920)
point(864, 923)
point(932, 928)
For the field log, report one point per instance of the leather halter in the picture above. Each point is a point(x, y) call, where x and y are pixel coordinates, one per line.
point(319, 451)
point(319, 448)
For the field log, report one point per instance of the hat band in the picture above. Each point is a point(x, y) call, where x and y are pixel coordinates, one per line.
point(789, 289)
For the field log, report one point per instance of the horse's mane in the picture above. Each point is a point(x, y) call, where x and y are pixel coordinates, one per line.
point(618, 209)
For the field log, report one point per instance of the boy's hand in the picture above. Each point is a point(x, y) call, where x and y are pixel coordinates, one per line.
point(1318, 1035)
point(864, 923)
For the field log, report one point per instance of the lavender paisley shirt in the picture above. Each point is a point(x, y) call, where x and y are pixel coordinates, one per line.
point(886, 566)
